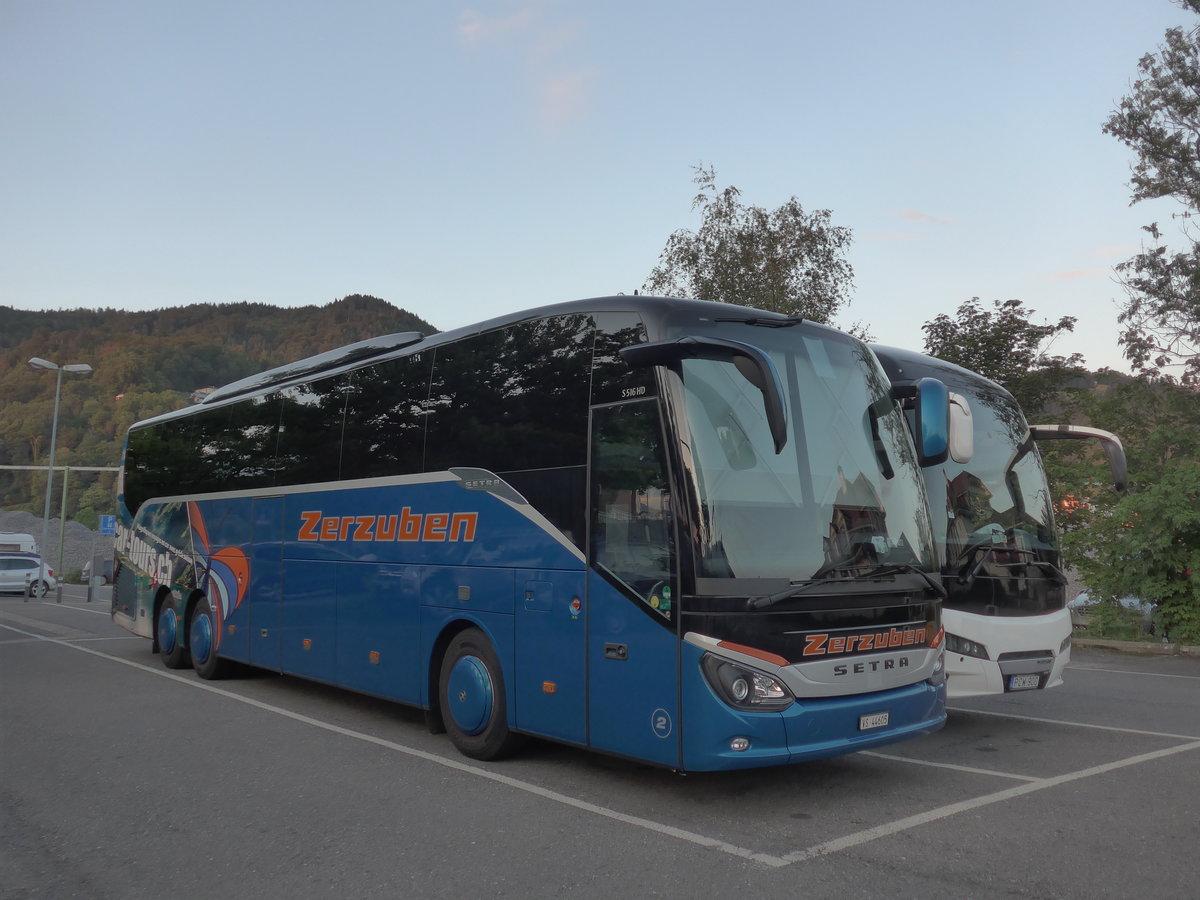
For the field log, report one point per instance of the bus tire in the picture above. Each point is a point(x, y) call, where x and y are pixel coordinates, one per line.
point(471, 690)
point(169, 635)
point(202, 643)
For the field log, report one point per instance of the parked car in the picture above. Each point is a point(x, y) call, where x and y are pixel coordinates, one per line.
point(19, 569)
point(106, 571)
point(1081, 610)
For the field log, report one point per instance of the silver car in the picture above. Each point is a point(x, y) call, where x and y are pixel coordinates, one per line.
point(1082, 605)
point(19, 570)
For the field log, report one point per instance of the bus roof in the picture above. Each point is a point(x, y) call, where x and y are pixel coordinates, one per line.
point(391, 346)
point(907, 366)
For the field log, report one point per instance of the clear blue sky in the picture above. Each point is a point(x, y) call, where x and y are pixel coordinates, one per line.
point(463, 160)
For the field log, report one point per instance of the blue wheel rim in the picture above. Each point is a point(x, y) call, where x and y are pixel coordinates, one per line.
point(469, 694)
point(200, 638)
point(168, 626)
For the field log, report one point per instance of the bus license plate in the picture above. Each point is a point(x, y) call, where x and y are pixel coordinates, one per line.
point(874, 720)
point(1024, 682)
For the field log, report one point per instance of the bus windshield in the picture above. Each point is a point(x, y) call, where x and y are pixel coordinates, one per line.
point(999, 520)
point(844, 496)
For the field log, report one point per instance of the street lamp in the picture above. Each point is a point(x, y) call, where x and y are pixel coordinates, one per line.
point(38, 364)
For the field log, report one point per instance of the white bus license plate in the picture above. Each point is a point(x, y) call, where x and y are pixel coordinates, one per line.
point(874, 720)
point(1023, 682)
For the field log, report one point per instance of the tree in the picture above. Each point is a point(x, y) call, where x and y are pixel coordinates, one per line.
point(1160, 121)
point(786, 260)
point(1005, 346)
point(1146, 543)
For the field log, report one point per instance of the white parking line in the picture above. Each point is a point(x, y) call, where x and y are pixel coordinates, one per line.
point(970, 770)
point(823, 849)
point(82, 640)
point(1000, 715)
point(86, 609)
point(1130, 672)
point(952, 809)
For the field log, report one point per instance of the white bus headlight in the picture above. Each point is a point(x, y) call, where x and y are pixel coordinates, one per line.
point(745, 688)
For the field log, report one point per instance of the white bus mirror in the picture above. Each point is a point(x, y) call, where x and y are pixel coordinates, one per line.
point(962, 429)
point(1113, 448)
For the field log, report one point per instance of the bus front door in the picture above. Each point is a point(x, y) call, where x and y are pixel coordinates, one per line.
point(633, 651)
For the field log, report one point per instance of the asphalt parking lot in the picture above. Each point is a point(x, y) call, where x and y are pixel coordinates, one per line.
point(112, 766)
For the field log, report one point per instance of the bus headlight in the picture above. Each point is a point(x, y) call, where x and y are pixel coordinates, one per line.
point(745, 688)
point(956, 644)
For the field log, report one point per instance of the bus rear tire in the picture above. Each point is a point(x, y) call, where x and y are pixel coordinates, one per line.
point(168, 632)
point(202, 643)
point(471, 690)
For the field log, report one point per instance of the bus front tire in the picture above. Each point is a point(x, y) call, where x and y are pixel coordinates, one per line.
point(168, 630)
point(471, 690)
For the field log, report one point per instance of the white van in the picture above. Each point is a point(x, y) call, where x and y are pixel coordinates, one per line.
point(15, 542)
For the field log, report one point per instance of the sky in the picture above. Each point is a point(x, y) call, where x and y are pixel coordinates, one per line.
point(466, 160)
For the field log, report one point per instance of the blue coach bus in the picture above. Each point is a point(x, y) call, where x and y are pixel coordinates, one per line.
point(681, 532)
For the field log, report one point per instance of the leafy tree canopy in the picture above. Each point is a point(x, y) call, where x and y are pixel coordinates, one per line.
point(1145, 543)
point(786, 260)
point(1005, 346)
point(1160, 121)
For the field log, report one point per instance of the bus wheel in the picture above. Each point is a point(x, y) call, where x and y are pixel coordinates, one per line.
point(471, 688)
point(169, 631)
point(202, 643)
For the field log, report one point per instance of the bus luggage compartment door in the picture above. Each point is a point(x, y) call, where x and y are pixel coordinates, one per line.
point(551, 631)
point(266, 574)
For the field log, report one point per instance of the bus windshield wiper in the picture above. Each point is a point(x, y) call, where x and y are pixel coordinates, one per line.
point(967, 578)
point(796, 587)
point(799, 587)
point(907, 569)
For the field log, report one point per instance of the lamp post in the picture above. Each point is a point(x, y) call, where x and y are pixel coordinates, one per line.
point(38, 364)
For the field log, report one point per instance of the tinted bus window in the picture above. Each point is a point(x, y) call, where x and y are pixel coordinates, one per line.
point(385, 418)
point(512, 400)
point(515, 402)
point(612, 379)
point(632, 535)
point(310, 431)
point(251, 435)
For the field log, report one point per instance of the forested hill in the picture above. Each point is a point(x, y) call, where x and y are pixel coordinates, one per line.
point(146, 363)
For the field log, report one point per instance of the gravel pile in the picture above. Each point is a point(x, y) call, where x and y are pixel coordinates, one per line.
point(79, 542)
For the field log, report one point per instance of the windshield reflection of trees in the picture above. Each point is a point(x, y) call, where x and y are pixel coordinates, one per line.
point(1001, 549)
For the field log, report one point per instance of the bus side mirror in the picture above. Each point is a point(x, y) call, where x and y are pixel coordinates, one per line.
point(1113, 448)
point(932, 413)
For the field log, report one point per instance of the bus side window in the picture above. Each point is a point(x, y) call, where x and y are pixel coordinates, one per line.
point(385, 418)
point(632, 535)
point(310, 431)
point(515, 402)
